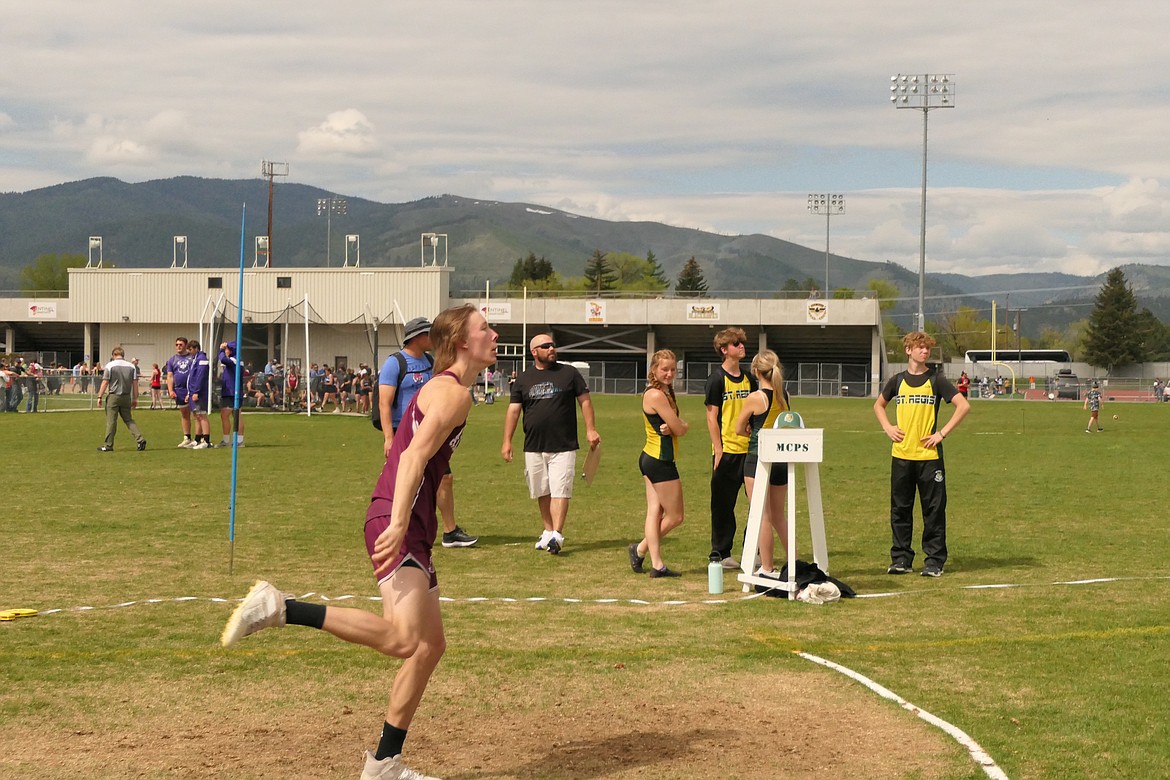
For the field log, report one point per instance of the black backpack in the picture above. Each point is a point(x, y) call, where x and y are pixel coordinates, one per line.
point(375, 408)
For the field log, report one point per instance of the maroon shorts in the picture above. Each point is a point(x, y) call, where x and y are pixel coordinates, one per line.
point(409, 554)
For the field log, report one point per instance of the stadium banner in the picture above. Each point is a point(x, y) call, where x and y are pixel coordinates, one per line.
point(496, 312)
point(595, 311)
point(42, 310)
point(702, 312)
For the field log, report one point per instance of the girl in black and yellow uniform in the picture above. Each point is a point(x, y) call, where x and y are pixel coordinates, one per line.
point(664, 498)
point(760, 410)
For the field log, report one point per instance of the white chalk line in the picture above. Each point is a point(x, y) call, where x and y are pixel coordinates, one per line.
point(977, 753)
point(608, 601)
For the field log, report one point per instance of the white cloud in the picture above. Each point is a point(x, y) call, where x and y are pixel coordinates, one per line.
point(347, 133)
point(111, 151)
point(721, 117)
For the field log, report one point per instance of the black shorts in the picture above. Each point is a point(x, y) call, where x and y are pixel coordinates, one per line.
point(779, 474)
point(657, 470)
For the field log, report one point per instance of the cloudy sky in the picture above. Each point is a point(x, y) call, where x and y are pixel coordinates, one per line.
point(722, 116)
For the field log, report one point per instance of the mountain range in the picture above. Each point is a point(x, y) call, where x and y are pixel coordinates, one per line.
point(484, 238)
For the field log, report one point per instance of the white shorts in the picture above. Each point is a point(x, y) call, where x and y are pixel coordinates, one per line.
point(550, 473)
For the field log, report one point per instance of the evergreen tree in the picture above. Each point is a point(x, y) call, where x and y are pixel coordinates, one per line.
point(656, 274)
point(795, 289)
point(1155, 336)
point(690, 282)
point(531, 271)
point(1112, 338)
point(598, 274)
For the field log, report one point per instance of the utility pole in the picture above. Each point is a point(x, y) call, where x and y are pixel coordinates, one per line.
point(270, 170)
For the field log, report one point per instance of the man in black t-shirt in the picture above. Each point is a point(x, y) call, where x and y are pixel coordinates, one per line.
point(728, 386)
point(546, 394)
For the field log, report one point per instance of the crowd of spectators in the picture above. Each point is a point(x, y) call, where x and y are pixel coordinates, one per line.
point(24, 383)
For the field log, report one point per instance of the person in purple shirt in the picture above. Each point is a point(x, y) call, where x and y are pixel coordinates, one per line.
point(229, 364)
point(177, 367)
point(400, 530)
point(197, 392)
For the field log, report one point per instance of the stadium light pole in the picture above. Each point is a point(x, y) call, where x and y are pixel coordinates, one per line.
point(925, 93)
point(270, 170)
point(330, 206)
point(827, 204)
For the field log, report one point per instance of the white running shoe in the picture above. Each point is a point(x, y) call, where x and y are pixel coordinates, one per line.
point(185, 444)
point(201, 446)
point(263, 607)
point(542, 542)
point(390, 769)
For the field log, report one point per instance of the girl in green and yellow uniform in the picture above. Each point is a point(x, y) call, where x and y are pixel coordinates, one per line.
point(760, 410)
point(664, 498)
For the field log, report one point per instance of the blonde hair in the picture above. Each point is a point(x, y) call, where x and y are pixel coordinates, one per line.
point(447, 331)
point(767, 364)
point(652, 382)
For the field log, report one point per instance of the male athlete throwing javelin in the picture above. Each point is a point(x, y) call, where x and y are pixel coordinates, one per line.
point(401, 524)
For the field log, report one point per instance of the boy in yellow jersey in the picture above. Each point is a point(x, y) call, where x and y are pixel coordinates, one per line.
point(918, 456)
point(726, 390)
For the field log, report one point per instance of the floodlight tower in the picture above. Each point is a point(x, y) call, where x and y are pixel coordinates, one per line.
point(270, 170)
point(330, 206)
point(827, 204)
point(924, 93)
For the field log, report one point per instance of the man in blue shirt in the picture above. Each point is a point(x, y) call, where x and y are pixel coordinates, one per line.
point(198, 384)
point(177, 367)
point(395, 389)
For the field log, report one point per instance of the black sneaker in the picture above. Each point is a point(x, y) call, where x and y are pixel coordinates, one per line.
point(900, 568)
point(458, 538)
point(104, 448)
point(931, 571)
point(636, 560)
point(663, 572)
point(142, 445)
point(554, 546)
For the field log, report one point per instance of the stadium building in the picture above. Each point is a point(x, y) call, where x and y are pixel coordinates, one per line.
point(345, 316)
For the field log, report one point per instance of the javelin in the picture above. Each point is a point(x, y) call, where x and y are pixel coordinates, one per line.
point(236, 399)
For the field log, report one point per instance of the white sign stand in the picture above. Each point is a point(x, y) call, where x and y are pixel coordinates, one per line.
point(791, 446)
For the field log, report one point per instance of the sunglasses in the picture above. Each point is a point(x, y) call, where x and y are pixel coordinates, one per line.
point(736, 344)
point(548, 345)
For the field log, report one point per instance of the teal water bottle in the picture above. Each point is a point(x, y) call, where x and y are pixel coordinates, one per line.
point(715, 577)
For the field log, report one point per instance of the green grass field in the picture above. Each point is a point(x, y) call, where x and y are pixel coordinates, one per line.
point(1054, 680)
